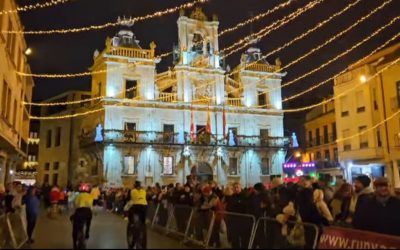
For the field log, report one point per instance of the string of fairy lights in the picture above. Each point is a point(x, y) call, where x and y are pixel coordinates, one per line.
point(341, 72)
point(394, 62)
point(369, 129)
point(109, 24)
point(237, 70)
point(319, 47)
point(34, 6)
point(240, 24)
point(318, 25)
point(339, 35)
point(170, 53)
point(256, 18)
point(268, 29)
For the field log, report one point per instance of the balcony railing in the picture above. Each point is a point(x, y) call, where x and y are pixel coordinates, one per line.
point(168, 97)
point(131, 52)
point(262, 67)
point(328, 164)
point(322, 141)
point(155, 137)
point(235, 102)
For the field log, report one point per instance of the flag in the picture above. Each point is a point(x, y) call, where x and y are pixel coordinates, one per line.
point(208, 127)
point(223, 123)
point(192, 127)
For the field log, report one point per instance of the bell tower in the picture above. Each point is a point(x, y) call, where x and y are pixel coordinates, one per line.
point(198, 63)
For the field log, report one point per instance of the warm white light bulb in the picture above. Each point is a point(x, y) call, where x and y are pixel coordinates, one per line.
point(363, 78)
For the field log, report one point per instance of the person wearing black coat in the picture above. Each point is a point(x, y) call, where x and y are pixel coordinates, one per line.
point(238, 227)
point(183, 207)
point(379, 212)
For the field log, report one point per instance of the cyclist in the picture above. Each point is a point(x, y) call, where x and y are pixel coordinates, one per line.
point(139, 207)
point(83, 212)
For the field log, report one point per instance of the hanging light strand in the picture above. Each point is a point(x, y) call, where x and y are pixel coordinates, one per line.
point(256, 18)
point(66, 116)
point(319, 25)
point(341, 72)
point(106, 25)
point(343, 32)
point(268, 29)
point(88, 73)
point(322, 45)
point(34, 6)
point(370, 129)
point(344, 92)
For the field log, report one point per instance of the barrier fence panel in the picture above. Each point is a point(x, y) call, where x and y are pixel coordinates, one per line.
point(4, 233)
point(269, 233)
point(17, 229)
point(200, 227)
point(232, 230)
point(179, 220)
point(162, 216)
point(151, 211)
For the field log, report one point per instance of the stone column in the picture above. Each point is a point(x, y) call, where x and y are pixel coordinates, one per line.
point(396, 175)
point(2, 170)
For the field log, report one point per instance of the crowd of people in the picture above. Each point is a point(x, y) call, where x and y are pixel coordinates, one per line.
point(365, 205)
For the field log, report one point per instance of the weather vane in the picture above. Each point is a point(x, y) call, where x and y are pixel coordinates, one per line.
point(126, 22)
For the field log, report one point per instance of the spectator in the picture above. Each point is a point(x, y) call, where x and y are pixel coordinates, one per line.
point(321, 205)
point(32, 210)
point(340, 204)
point(379, 212)
point(362, 190)
point(236, 225)
point(207, 205)
point(45, 192)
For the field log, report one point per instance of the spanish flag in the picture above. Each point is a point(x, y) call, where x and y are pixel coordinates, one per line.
point(208, 127)
point(192, 127)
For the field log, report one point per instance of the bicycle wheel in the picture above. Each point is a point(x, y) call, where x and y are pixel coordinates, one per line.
point(81, 239)
point(130, 236)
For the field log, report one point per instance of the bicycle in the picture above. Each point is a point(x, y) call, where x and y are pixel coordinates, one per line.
point(136, 233)
point(81, 239)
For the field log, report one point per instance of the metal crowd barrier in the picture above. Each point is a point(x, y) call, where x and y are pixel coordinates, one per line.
point(179, 220)
point(4, 235)
point(269, 233)
point(13, 232)
point(162, 216)
point(151, 211)
point(232, 230)
point(199, 228)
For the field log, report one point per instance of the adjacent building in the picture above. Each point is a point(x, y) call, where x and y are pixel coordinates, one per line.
point(321, 147)
point(59, 139)
point(193, 120)
point(370, 146)
point(14, 90)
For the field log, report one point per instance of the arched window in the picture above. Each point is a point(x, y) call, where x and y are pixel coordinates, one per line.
point(197, 43)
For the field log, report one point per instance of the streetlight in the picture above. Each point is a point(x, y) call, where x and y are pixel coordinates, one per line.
point(28, 51)
point(363, 78)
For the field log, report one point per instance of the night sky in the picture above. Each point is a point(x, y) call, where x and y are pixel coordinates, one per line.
point(72, 53)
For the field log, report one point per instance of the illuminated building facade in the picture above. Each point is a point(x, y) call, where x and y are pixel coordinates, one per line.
point(193, 119)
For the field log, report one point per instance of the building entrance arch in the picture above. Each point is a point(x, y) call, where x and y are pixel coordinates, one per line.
point(203, 171)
